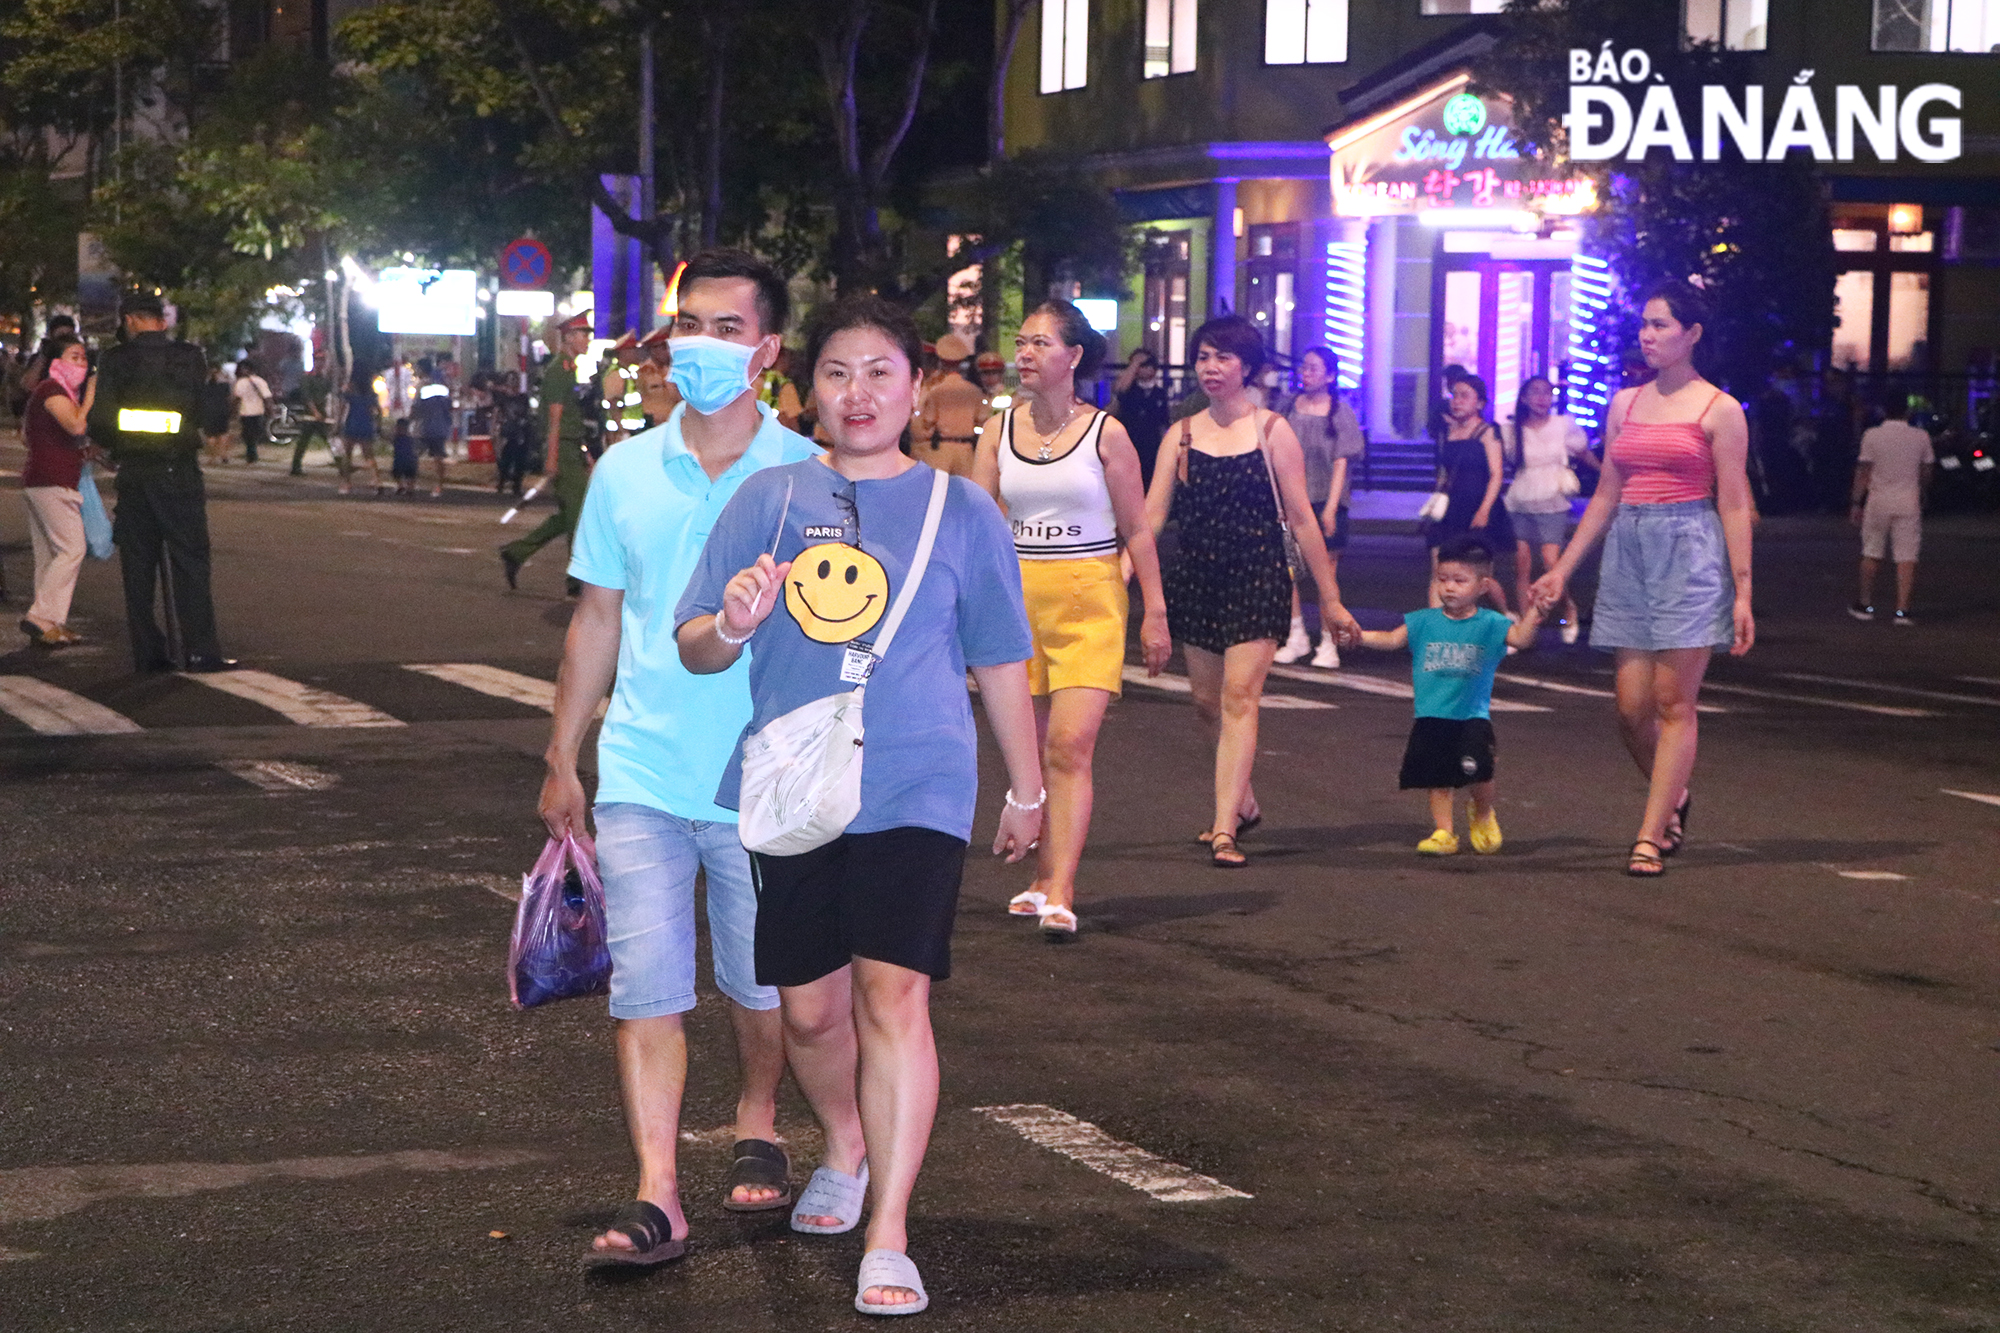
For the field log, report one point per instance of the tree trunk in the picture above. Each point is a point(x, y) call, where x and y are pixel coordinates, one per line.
point(996, 125)
point(860, 259)
point(716, 32)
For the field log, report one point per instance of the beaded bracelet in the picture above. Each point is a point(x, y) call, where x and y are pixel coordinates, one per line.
point(733, 643)
point(1039, 800)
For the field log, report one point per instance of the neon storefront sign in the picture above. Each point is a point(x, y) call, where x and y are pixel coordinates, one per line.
point(1446, 147)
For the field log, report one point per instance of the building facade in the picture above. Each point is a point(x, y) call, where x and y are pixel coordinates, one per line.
point(1324, 168)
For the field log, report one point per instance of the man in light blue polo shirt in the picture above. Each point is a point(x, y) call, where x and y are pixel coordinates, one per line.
point(665, 741)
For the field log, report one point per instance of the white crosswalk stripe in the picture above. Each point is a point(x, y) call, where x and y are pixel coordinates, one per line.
point(530, 690)
point(306, 705)
point(498, 682)
point(1564, 687)
point(1904, 690)
point(54, 711)
point(1782, 696)
point(1387, 689)
point(1172, 684)
point(1085, 1143)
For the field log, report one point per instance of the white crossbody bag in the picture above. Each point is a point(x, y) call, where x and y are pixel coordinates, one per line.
point(802, 772)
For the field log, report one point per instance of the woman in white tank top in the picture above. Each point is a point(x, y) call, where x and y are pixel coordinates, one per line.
point(1068, 479)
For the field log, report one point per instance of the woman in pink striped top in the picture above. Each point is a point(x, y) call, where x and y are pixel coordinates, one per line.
point(1673, 508)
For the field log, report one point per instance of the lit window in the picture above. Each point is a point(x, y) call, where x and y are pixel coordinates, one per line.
point(1937, 25)
point(1065, 44)
point(1735, 25)
point(1305, 32)
point(1169, 37)
point(1464, 6)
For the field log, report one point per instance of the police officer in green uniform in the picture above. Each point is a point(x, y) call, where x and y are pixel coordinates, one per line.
point(148, 418)
point(569, 458)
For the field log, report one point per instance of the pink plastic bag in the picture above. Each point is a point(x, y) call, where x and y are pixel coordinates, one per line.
point(559, 949)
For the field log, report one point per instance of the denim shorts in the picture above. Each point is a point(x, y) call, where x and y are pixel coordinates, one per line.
point(1665, 581)
point(648, 859)
point(1539, 530)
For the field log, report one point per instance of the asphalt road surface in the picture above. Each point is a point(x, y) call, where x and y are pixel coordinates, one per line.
point(258, 1071)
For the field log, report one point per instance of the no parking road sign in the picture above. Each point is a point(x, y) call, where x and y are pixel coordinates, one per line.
point(525, 263)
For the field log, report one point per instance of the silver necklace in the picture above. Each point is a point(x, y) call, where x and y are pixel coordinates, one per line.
point(1049, 440)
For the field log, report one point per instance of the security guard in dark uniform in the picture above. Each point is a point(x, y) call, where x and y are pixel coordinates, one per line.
point(147, 416)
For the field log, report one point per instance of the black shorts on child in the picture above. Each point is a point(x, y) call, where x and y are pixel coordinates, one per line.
point(891, 896)
point(1448, 752)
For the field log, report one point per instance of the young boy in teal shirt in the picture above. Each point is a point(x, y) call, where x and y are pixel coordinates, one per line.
point(1455, 649)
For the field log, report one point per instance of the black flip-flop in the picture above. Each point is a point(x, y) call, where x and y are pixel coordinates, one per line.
point(759, 1165)
point(651, 1232)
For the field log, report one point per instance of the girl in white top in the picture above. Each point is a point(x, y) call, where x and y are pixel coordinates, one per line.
point(1068, 479)
point(1545, 447)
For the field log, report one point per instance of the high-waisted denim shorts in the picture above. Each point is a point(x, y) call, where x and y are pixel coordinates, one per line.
point(1665, 581)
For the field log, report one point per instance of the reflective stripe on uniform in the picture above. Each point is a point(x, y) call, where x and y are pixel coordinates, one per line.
point(140, 421)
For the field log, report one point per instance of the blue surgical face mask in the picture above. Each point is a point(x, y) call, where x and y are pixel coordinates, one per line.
point(710, 373)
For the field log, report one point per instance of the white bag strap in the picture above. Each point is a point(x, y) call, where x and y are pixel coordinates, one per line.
point(940, 484)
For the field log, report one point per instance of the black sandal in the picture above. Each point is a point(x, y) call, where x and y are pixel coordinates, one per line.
point(758, 1165)
point(1646, 865)
point(1678, 833)
point(651, 1232)
point(1242, 826)
point(1221, 848)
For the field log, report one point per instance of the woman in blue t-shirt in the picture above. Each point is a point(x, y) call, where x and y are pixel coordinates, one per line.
point(853, 932)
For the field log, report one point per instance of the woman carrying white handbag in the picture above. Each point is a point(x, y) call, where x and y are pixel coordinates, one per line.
point(1545, 450)
point(893, 580)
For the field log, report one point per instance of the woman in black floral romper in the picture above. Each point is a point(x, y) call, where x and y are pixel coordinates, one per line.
point(1221, 475)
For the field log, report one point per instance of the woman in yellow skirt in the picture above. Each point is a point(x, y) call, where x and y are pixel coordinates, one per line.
point(1069, 480)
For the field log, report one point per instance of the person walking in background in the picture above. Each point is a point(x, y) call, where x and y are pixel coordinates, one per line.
point(1469, 472)
point(1456, 648)
point(1330, 441)
point(568, 462)
point(1890, 480)
point(431, 420)
point(1139, 402)
point(780, 394)
point(513, 430)
point(146, 415)
point(398, 387)
point(358, 432)
point(948, 420)
point(1232, 478)
point(1068, 480)
point(655, 376)
point(53, 429)
point(662, 752)
point(218, 406)
point(1673, 509)
point(854, 931)
point(1545, 451)
point(403, 457)
point(252, 395)
point(58, 326)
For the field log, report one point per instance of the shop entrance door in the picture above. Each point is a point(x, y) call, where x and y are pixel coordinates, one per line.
point(1502, 319)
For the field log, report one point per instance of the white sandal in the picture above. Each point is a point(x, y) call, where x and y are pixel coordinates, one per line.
point(831, 1193)
point(1058, 923)
point(890, 1268)
point(1029, 903)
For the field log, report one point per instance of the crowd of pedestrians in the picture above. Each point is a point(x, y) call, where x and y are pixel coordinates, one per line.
point(744, 588)
point(759, 563)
